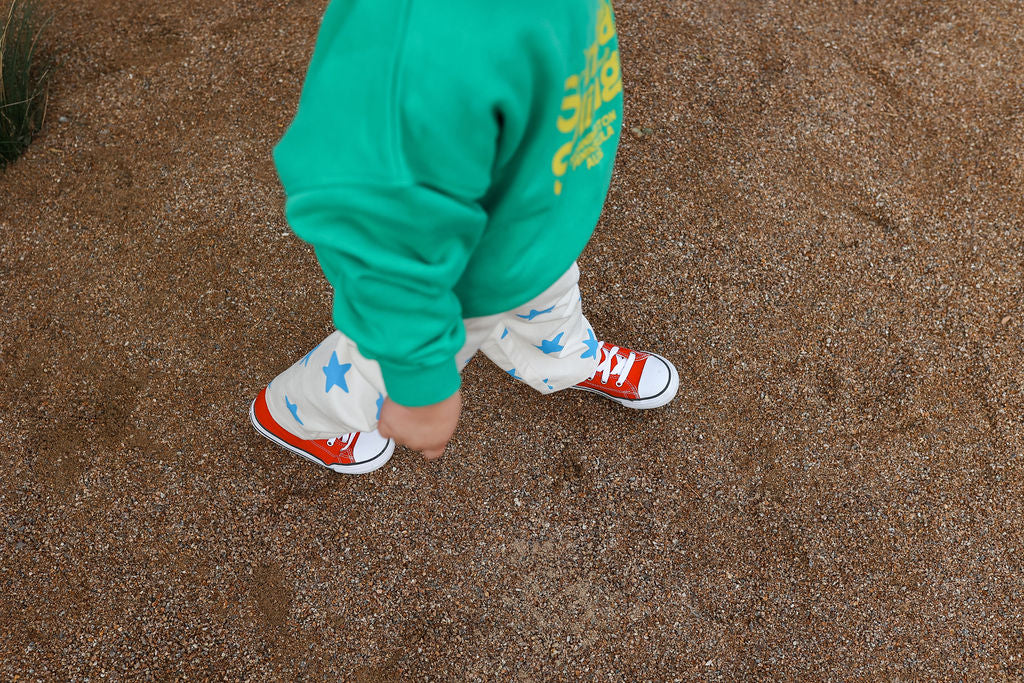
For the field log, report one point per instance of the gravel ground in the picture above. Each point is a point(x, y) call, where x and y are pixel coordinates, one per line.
point(816, 214)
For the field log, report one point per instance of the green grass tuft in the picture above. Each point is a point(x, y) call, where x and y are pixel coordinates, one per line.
point(23, 81)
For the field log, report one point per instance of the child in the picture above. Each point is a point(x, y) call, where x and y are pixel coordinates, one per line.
point(448, 163)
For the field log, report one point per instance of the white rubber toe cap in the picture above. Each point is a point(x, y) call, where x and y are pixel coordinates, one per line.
point(370, 452)
point(658, 383)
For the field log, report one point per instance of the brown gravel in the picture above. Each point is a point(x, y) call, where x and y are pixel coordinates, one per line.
point(816, 214)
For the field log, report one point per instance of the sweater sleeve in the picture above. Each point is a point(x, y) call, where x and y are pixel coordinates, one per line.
point(393, 254)
point(384, 168)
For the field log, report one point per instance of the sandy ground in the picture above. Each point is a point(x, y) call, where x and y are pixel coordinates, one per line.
point(816, 214)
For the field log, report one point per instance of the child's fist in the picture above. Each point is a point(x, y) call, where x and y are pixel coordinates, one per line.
point(426, 429)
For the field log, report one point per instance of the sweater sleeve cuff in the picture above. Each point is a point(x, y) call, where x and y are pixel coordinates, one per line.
point(414, 386)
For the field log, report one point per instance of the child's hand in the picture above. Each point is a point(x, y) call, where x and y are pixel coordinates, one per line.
point(426, 429)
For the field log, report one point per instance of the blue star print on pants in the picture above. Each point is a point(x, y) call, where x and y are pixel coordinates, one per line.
point(513, 373)
point(534, 313)
point(294, 409)
point(592, 345)
point(380, 404)
point(335, 373)
point(552, 345)
point(305, 359)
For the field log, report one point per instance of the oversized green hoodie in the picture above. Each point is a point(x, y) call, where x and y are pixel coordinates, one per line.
point(449, 159)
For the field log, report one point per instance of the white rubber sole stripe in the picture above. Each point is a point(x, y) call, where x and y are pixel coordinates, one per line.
point(374, 463)
point(658, 400)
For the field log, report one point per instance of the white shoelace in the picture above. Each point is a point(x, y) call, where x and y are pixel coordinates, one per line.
point(622, 367)
point(344, 438)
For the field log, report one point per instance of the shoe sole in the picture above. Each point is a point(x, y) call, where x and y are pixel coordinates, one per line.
point(658, 400)
point(374, 463)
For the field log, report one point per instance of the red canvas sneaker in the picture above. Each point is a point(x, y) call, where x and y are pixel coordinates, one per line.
point(355, 453)
point(636, 379)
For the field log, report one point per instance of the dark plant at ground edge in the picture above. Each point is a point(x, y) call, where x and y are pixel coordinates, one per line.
point(23, 80)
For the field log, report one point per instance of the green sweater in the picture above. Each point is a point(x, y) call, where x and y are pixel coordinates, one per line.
point(449, 159)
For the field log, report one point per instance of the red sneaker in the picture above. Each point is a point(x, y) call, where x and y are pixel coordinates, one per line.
point(636, 379)
point(355, 453)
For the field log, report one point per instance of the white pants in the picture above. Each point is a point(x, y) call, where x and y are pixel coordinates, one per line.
point(546, 343)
